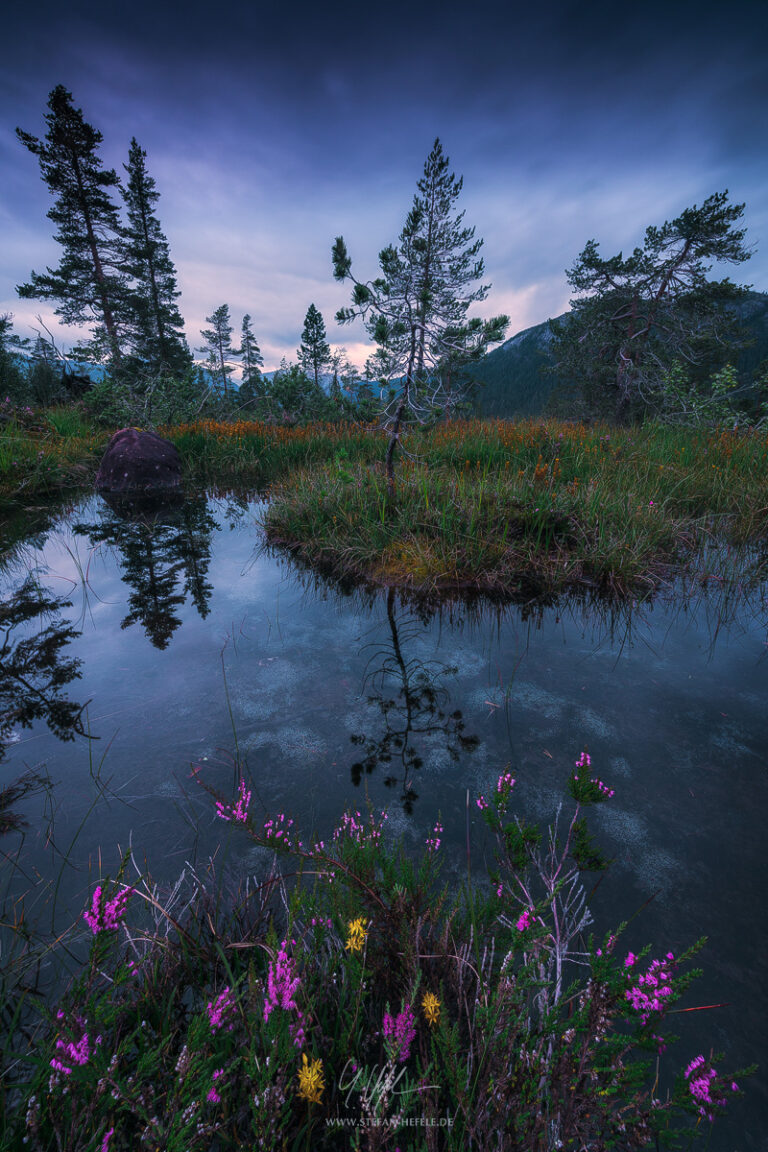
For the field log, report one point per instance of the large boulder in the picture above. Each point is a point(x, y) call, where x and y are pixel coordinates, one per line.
point(137, 461)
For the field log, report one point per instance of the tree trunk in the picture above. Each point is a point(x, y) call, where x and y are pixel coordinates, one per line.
point(98, 271)
point(390, 459)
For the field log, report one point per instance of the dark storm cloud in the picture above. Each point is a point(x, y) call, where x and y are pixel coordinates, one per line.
point(271, 128)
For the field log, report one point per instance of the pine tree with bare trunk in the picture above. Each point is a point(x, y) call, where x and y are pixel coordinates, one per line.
point(90, 282)
point(635, 318)
point(416, 311)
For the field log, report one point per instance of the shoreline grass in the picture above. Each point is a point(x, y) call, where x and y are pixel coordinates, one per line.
point(352, 1002)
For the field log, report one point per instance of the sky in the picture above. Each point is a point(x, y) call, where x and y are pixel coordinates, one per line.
point(272, 127)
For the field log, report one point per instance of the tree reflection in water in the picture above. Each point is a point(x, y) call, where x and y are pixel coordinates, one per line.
point(165, 551)
point(416, 711)
point(33, 672)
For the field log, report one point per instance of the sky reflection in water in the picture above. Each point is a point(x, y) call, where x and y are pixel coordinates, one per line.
point(197, 646)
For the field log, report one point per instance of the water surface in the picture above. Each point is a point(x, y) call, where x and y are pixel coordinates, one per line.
point(197, 646)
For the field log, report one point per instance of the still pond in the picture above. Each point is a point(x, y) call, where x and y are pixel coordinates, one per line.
point(198, 645)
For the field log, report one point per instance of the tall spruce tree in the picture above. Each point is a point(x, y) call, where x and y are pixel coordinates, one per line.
point(218, 346)
point(315, 351)
point(90, 282)
point(156, 327)
point(442, 238)
point(252, 384)
point(416, 310)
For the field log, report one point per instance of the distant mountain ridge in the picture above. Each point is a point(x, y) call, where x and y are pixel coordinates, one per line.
point(514, 383)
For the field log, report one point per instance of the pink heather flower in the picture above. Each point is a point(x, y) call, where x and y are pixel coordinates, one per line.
point(217, 1009)
point(505, 781)
point(238, 812)
point(76, 1053)
point(401, 1031)
point(653, 989)
point(701, 1087)
point(630, 960)
point(524, 920)
point(108, 919)
point(105, 1141)
point(282, 986)
point(279, 830)
point(433, 841)
point(584, 761)
point(213, 1095)
point(500, 888)
point(482, 803)
point(734, 1086)
point(353, 826)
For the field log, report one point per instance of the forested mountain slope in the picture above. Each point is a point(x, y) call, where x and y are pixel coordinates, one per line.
point(514, 383)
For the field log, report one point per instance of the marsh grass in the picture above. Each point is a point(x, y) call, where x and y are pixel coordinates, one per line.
point(45, 452)
point(505, 507)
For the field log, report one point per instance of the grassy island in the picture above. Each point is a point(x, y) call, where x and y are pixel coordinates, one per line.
point(498, 507)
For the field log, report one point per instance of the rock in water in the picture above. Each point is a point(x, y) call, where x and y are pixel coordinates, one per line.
point(137, 461)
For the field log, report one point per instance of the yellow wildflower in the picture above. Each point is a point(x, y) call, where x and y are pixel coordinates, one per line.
point(311, 1083)
point(431, 1006)
point(356, 934)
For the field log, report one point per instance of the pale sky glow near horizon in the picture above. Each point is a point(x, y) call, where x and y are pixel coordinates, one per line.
point(271, 129)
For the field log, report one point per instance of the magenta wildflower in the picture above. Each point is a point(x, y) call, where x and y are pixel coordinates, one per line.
point(505, 782)
point(78, 1052)
point(400, 1031)
point(218, 1008)
point(653, 988)
point(588, 791)
point(353, 826)
point(109, 918)
point(237, 812)
point(279, 831)
point(524, 920)
point(105, 1141)
point(282, 986)
point(482, 803)
point(630, 960)
point(705, 1087)
point(213, 1095)
point(433, 841)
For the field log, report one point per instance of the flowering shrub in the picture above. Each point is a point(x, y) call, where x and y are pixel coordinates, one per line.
point(400, 1032)
point(106, 917)
point(277, 1031)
